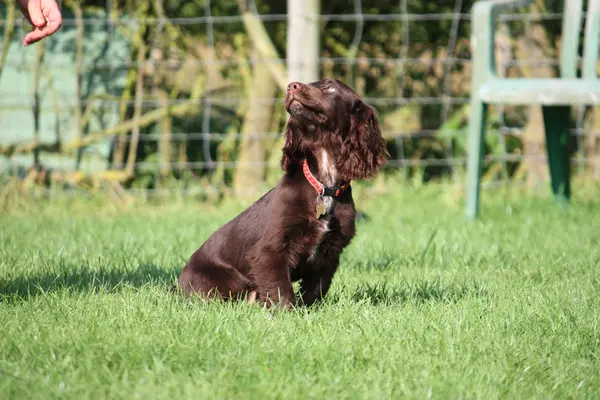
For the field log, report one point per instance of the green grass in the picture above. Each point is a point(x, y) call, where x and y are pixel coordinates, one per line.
point(424, 305)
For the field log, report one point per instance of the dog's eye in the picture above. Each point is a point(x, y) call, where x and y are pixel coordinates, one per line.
point(329, 89)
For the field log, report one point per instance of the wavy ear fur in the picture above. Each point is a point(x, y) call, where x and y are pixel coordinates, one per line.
point(290, 148)
point(363, 150)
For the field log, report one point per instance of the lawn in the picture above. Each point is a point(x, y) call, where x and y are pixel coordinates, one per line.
point(424, 305)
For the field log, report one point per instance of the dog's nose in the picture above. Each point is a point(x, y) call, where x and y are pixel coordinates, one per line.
point(294, 87)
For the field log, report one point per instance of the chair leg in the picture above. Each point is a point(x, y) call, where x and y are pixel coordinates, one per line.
point(476, 139)
point(557, 120)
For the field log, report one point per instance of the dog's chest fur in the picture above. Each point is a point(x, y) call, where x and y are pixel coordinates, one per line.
point(321, 229)
point(328, 178)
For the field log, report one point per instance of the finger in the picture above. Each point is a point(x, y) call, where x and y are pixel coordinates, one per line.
point(34, 36)
point(53, 18)
point(23, 7)
point(51, 27)
point(37, 34)
point(35, 13)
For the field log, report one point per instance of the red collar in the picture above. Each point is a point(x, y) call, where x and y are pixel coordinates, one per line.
point(319, 187)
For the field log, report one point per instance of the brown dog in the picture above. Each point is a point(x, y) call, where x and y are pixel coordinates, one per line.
point(298, 229)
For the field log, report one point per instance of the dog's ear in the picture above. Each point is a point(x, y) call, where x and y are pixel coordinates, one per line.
point(364, 149)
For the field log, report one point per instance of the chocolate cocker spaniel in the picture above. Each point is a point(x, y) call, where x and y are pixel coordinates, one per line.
point(297, 230)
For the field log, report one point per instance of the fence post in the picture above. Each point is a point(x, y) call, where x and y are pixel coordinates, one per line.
point(303, 40)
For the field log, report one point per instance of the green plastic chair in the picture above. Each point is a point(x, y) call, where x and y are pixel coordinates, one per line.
point(555, 95)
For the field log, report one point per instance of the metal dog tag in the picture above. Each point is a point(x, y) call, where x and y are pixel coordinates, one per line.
point(320, 207)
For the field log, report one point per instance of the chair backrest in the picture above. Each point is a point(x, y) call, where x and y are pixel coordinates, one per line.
point(571, 26)
point(590, 44)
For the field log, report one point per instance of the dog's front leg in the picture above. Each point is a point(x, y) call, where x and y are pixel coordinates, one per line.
point(315, 286)
point(316, 283)
point(271, 275)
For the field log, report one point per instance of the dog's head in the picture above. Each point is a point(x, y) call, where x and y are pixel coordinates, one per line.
point(328, 113)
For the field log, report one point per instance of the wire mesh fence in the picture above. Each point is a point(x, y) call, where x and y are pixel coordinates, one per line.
point(161, 96)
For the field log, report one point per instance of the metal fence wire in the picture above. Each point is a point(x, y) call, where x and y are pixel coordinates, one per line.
point(163, 95)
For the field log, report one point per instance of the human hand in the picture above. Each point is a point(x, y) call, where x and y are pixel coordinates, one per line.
point(44, 15)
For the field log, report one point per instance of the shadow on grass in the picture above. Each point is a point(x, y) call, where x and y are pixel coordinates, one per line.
point(386, 294)
point(85, 280)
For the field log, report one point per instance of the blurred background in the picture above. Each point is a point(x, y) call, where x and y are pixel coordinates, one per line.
point(185, 98)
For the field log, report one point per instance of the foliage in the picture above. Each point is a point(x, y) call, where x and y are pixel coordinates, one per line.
point(209, 65)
